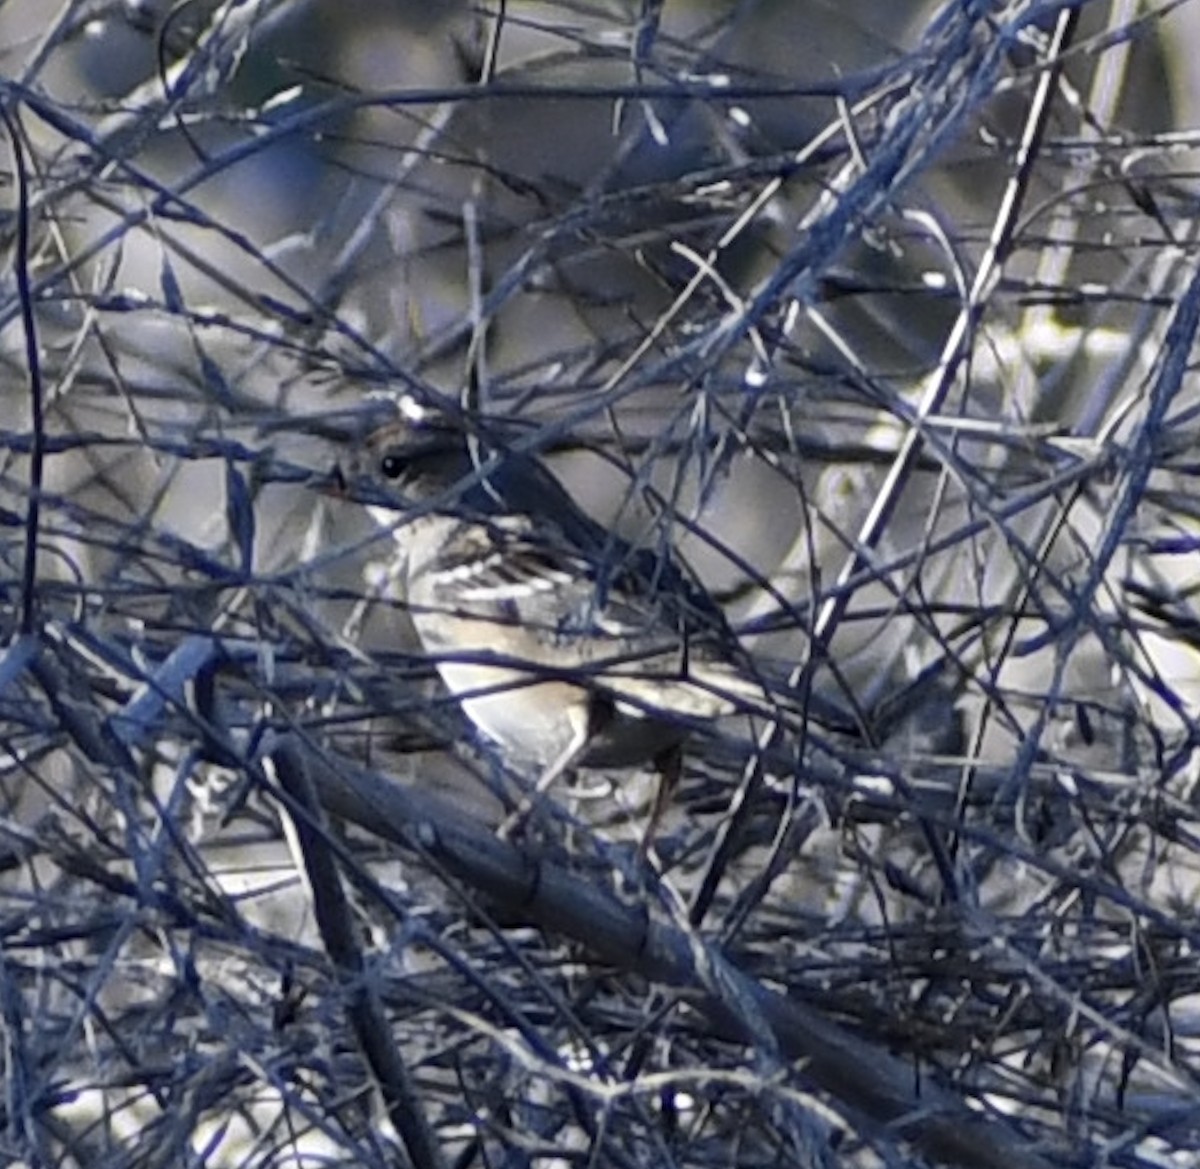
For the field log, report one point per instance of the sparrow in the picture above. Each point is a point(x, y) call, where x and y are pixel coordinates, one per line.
point(565, 646)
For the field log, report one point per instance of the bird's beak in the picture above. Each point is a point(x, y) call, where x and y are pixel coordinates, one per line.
point(333, 483)
point(344, 483)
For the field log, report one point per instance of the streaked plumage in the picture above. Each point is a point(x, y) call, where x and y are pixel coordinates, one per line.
point(564, 645)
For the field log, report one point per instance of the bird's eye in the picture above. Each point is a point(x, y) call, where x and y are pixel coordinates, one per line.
point(391, 466)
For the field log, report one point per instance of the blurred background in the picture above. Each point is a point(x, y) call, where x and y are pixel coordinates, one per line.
point(879, 318)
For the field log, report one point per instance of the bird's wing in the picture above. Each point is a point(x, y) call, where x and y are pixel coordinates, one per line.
point(504, 561)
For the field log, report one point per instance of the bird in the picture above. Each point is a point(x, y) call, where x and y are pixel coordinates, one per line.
point(565, 646)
